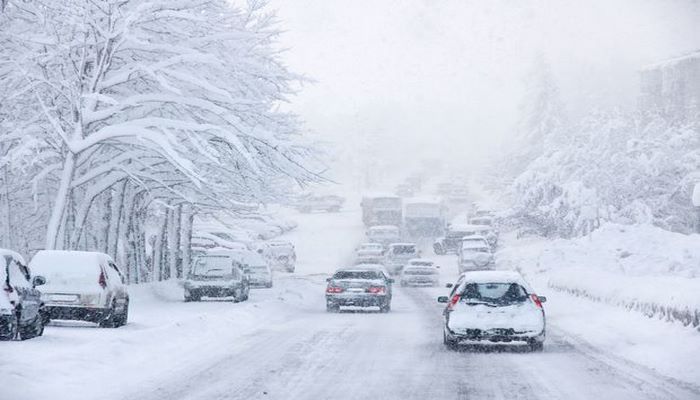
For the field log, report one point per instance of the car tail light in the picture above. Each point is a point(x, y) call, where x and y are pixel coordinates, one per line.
point(334, 289)
point(453, 302)
point(376, 289)
point(102, 281)
point(536, 300)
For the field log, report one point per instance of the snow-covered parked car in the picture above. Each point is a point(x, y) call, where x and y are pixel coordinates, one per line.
point(383, 234)
point(494, 307)
point(82, 285)
point(21, 308)
point(359, 287)
point(216, 274)
point(257, 268)
point(281, 254)
point(310, 203)
point(474, 255)
point(398, 254)
point(420, 272)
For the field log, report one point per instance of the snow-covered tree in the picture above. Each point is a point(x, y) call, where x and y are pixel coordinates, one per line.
point(127, 105)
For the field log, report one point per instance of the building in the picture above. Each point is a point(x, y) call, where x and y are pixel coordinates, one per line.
point(672, 87)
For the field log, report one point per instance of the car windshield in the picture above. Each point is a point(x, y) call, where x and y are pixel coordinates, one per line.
point(367, 275)
point(422, 263)
point(420, 271)
point(213, 266)
point(495, 293)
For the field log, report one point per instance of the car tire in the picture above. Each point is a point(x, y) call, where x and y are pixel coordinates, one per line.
point(14, 330)
point(110, 320)
point(385, 308)
point(269, 285)
point(332, 308)
point(35, 329)
point(123, 316)
point(449, 344)
point(438, 249)
point(536, 346)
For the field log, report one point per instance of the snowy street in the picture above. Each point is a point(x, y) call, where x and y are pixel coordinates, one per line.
point(282, 344)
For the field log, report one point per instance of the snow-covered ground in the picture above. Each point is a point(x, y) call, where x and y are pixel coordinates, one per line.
point(283, 345)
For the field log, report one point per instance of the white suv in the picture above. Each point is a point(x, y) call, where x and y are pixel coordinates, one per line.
point(82, 285)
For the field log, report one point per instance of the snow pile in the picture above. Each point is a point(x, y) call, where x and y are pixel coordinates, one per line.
point(639, 267)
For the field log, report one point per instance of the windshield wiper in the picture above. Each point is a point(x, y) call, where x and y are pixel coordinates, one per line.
point(479, 302)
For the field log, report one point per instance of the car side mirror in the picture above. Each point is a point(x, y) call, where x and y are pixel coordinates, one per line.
point(328, 279)
point(443, 299)
point(38, 281)
point(437, 267)
point(390, 280)
point(449, 285)
point(543, 299)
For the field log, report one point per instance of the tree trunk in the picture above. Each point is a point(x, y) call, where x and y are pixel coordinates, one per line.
point(59, 205)
point(116, 219)
point(158, 249)
point(174, 242)
point(187, 239)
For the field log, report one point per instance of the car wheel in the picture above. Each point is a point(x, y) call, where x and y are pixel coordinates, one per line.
point(124, 316)
point(385, 308)
point(110, 320)
point(536, 346)
point(12, 331)
point(449, 343)
point(438, 249)
point(36, 328)
point(332, 307)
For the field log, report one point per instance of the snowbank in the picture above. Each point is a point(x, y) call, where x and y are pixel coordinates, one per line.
point(639, 267)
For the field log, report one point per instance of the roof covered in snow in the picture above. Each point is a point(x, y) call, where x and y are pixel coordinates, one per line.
point(673, 61)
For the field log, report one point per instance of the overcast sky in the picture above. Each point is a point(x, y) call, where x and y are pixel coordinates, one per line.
point(415, 78)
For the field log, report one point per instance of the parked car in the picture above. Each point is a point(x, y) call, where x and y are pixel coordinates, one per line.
point(493, 307)
point(217, 274)
point(474, 255)
point(420, 272)
point(370, 249)
point(82, 285)
point(258, 270)
point(309, 203)
point(360, 286)
point(281, 254)
point(398, 254)
point(383, 234)
point(21, 308)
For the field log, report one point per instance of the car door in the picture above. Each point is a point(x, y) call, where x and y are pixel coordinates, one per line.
point(117, 283)
point(29, 296)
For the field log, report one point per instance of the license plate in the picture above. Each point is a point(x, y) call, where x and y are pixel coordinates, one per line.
point(356, 290)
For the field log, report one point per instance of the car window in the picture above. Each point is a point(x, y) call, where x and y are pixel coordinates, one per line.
point(19, 275)
point(358, 275)
point(499, 293)
point(112, 269)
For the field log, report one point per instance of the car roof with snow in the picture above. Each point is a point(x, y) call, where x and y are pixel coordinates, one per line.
point(397, 244)
point(247, 257)
point(494, 277)
point(423, 200)
point(13, 254)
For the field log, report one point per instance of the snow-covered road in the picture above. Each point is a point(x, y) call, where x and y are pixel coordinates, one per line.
point(283, 345)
